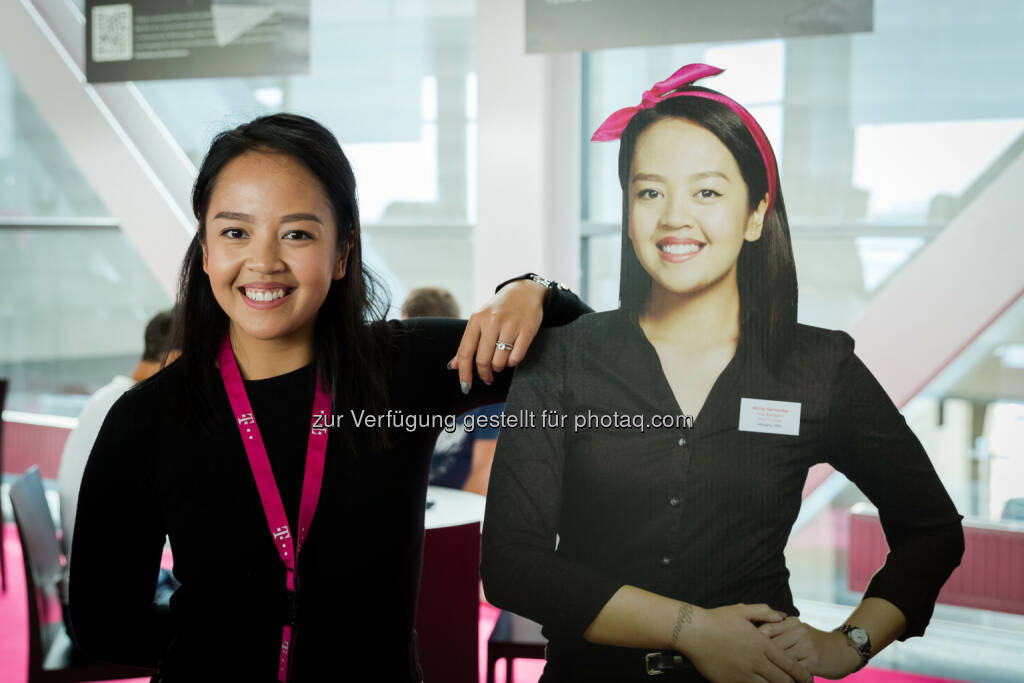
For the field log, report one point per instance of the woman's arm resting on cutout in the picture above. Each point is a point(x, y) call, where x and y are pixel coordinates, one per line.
point(513, 315)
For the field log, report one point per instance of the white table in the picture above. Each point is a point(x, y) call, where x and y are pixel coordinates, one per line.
point(452, 507)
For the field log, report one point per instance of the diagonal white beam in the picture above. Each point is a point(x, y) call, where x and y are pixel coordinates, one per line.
point(939, 302)
point(152, 219)
point(936, 305)
point(143, 127)
point(955, 287)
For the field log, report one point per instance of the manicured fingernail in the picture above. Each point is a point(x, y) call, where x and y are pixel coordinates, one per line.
point(448, 365)
point(488, 382)
point(465, 387)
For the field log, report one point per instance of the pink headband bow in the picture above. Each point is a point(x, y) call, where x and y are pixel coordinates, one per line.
point(613, 126)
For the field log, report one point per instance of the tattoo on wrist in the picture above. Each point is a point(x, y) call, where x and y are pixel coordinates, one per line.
point(685, 616)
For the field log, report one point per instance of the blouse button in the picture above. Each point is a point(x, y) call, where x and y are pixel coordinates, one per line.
point(673, 501)
point(666, 561)
point(682, 441)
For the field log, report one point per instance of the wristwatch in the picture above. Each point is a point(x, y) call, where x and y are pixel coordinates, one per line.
point(546, 282)
point(859, 640)
point(540, 280)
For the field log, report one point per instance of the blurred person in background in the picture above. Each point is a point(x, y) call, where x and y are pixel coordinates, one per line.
point(156, 354)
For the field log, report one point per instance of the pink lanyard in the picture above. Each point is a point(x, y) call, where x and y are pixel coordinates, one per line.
point(273, 508)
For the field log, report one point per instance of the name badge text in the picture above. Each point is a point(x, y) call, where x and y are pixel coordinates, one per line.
point(769, 417)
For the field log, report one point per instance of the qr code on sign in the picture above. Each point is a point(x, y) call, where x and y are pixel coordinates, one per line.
point(111, 33)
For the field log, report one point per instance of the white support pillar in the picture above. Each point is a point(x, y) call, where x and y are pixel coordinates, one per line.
point(528, 155)
point(98, 138)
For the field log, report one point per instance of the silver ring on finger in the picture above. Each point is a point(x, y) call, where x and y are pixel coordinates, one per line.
point(503, 346)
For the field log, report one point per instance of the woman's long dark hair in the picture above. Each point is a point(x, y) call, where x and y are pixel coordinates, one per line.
point(350, 340)
point(765, 270)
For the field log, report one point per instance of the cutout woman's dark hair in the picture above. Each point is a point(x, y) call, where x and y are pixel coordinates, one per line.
point(350, 339)
point(765, 270)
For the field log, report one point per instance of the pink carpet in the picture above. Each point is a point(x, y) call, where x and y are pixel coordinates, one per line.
point(14, 639)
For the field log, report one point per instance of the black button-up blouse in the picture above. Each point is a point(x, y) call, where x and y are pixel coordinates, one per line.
point(154, 472)
point(700, 514)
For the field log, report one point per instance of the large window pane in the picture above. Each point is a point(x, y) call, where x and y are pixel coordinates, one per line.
point(389, 79)
point(37, 177)
point(75, 304)
point(881, 137)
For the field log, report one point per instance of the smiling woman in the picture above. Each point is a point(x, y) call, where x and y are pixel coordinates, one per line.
point(260, 260)
point(660, 551)
point(297, 539)
point(252, 179)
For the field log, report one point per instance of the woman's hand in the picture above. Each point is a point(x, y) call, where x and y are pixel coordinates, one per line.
point(512, 316)
point(823, 653)
point(726, 647)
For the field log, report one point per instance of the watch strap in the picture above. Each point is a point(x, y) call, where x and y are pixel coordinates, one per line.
point(864, 650)
point(550, 284)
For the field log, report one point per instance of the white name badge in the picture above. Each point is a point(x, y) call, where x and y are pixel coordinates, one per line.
point(770, 417)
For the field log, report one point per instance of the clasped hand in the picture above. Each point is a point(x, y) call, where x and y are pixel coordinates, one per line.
point(726, 647)
point(823, 653)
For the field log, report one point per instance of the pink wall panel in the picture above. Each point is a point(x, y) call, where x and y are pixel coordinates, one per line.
point(990, 576)
point(27, 444)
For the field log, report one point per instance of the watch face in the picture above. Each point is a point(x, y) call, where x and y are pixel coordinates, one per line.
point(859, 636)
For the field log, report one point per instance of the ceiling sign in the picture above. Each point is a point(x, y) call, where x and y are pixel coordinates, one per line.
point(579, 25)
point(159, 39)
